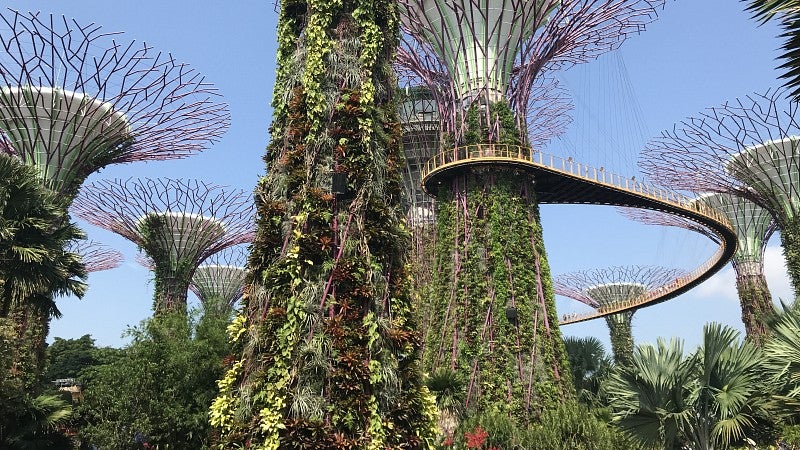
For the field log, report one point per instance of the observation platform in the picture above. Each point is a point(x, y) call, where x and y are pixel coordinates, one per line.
point(564, 181)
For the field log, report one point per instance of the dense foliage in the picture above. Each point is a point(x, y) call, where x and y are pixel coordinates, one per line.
point(157, 391)
point(327, 354)
point(710, 399)
point(493, 313)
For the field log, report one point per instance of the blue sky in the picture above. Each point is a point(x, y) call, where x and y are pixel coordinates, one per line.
point(696, 55)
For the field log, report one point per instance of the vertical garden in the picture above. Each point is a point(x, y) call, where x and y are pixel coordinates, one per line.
point(327, 355)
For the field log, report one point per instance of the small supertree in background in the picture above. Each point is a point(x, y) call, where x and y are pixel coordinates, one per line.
point(754, 226)
point(219, 281)
point(177, 223)
point(484, 62)
point(607, 287)
point(748, 148)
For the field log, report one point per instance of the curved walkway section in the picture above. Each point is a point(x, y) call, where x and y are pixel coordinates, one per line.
point(564, 181)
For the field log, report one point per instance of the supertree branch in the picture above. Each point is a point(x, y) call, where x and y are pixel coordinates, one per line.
point(548, 112)
point(177, 223)
point(582, 285)
point(719, 151)
point(219, 281)
point(661, 219)
point(73, 99)
point(463, 53)
point(96, 256)
point(748, 148)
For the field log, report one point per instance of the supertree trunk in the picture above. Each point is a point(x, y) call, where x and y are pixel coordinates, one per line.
point(621, 334)
point(790, 239)
point(327, 354)
point(26, 346)
point(495, 318)
point(756, 303)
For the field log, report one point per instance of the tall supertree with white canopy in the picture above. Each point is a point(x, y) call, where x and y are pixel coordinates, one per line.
point(754, 226)
point(493, 310)
point(604, 288)
point(75, 98)
point(177, 223)
point(748, 148)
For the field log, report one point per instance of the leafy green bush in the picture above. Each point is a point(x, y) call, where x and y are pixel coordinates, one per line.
point(159, 390)
point(571, 426)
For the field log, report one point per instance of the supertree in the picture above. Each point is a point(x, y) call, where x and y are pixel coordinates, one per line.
point(327, 348)
point(747, 148)
point(73, 100)
point(219, 281)
point(96, 256)
point(493, 317)
point(177, 223)
point(754, 226)
point(607, 287)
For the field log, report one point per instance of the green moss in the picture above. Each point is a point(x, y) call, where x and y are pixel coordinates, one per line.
point(790, 238)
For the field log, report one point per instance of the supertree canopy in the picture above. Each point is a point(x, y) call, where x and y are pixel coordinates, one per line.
point(96, 256)
point(604, 288)
point(748, 148)
point(753, 225)
point(492, 312)
point(327, 348)
point(496, 50)
point(73, 100)
point(177, 223)
point(219, 281)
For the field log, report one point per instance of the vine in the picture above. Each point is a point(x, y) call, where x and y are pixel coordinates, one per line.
point(327, 335)
point(493, 317)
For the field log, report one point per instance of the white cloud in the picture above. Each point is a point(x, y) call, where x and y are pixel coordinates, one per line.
point(721, 286)
point(777, 275)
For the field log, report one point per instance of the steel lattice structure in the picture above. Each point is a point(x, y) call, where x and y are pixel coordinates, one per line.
point(73, 99)
point(608, 287)
point(490, 50)
point(177, 223)
point(219, 281)
point(754, 226)
point(748, 148)
point(96, 256)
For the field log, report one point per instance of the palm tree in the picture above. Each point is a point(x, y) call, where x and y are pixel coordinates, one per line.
point(588, 362)
point(34, 229)
point(707, 400)
point(34, 265)
point(789, 13)
point(782, 357)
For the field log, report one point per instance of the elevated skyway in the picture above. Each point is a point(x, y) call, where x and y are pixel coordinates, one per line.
point(561, 180)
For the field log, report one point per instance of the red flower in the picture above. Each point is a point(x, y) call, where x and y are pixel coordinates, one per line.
point(477, 438)
point(448, 441)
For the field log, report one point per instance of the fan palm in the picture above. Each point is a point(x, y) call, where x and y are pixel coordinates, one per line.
point(34, 229)
point(782, 356)
point(789, 12)
point(707, 400)
point(588, 363)
point(34, 265)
